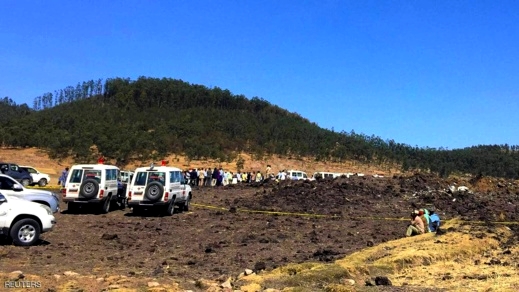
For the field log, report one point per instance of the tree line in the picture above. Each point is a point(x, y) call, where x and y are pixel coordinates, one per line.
point(150, 118)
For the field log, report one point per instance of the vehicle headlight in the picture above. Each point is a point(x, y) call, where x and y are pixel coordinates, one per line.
point(49, 211)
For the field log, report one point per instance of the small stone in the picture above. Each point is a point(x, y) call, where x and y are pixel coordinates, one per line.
point(383, 281)
point(70, 273)
point(248, 272)
point(16, 275)
point(57, 276)
point(153, 284)
point(227, 284)
point(100, 279)
point(349, 282)
point(107, 236)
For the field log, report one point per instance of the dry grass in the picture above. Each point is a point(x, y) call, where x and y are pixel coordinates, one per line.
point(455, 261)
point(40, 160)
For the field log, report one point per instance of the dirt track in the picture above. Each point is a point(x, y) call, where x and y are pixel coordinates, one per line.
point(213, 243)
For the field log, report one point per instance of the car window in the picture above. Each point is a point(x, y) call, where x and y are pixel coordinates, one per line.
point(14, 167)
point(157, 176)
point(6, 183)
point(141, 178)
point(30, 170)
point(111, 174)
point(93, 173)
point(76, 176)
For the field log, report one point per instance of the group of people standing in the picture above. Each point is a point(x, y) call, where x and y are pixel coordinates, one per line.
point(423, 221)
point(219, 177)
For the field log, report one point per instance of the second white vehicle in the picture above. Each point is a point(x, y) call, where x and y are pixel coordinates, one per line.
point(92, 184)
point(38, 178)
point(160, 188)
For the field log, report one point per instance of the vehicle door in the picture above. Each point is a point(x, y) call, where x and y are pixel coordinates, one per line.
point(32, 172)
point(75, 177)
point(110, 183)
point(183, 185)
point(14, 172)
point(7, 186)
point(138, 185)
point(174, 185)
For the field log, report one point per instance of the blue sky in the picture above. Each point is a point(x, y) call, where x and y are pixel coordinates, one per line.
point(424, 73)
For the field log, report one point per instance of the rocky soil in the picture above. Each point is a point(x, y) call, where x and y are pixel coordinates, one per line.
point(259, 226)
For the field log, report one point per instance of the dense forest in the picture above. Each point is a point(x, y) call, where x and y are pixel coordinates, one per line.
point(150, 118)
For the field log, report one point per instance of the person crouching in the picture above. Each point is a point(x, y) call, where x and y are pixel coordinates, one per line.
point(416, 227)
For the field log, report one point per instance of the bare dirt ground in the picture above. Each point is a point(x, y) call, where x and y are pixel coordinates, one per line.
point(259, 226)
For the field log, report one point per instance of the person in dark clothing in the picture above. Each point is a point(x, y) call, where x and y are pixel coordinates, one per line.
point(216, 173)
point(194, 177)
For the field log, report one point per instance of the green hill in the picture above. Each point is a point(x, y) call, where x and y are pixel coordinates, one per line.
point(150, 118)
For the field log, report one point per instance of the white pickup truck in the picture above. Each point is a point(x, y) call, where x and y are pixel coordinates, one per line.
point(23, 221)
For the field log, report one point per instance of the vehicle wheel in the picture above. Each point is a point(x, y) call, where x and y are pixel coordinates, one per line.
point(154, 191)
point(25, 182)
point(25, 232)
point(105, 207)
point(89, 189)
point(185, 207)
point(170, 209)
point(42, 182)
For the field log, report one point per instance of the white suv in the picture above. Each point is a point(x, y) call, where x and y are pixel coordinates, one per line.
point(297, 175)
point(92, 183)
point(160, 187)
point(39, 178)
point(23, 221)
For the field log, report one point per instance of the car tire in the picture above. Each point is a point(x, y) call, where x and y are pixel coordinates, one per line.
point(154, 191)
point(185, 207)
point(25, 232)
point(105, 205)
point(42, 182)
point(25, 182)
point(89, 189)
point(170, 208)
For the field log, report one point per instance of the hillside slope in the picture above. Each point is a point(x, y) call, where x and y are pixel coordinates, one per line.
point(41, 160)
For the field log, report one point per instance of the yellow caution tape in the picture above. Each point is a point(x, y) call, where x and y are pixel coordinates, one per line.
point(44, 188)
point(337, 216)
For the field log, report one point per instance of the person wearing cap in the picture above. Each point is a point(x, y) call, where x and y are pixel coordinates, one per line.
point(416, 227)
point(434, 221)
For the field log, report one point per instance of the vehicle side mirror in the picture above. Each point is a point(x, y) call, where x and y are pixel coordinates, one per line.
point(183, 181)
point(2, 199)
point(17, 188)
